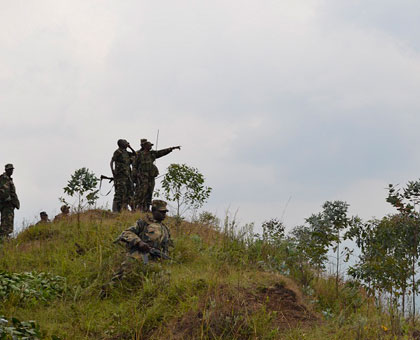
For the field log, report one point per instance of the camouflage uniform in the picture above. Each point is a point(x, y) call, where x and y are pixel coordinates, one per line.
point(65, 210)
point(122, 180)
point(155, 234)
point(150, 231)
point(146, 171)
point(44, 218)
point(8, 202)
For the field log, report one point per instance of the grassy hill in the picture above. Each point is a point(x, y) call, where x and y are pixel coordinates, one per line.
point(220, 285)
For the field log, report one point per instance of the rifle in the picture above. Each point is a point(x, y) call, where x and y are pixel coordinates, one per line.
point(154, 252)
point(108, 178)
point(157, 253)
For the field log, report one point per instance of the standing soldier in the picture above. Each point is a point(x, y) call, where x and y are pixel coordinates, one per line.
point(122, 176)
point(8, 202)
point(146, 171)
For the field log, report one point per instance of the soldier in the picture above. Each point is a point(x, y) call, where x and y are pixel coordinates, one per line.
point(145, 172)
point(8, 202)
point(65, 211)
point(148, 238)
point(44, 218)
point(149, 235)
point(122, 176)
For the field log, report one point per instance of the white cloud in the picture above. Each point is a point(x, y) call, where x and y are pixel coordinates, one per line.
point(268, 99)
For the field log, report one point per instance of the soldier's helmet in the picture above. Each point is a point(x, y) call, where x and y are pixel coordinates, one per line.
point(43, 213)
point(8, 166)
point(159, 205)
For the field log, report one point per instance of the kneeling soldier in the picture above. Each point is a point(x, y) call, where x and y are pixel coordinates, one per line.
point(149, 237)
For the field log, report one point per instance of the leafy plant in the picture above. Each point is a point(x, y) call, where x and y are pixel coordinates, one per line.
point(273, 231)
point(30, 286)
point(311, 243)
point(384, 265)
point(407, 202)
point(185, 185)
point(82, 184)
point(327, 229)
point(16, 330)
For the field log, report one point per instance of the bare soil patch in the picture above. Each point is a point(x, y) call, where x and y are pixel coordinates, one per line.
point(232, 313)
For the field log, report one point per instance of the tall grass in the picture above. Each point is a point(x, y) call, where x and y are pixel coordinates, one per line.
point(218, 286)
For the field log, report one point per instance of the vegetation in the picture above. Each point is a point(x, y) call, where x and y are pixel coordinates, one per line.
point(82, 185)
point(15, 329)
point(224, 281)
point(184, 185)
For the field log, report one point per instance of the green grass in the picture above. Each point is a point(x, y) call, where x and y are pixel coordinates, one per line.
point(219, 286)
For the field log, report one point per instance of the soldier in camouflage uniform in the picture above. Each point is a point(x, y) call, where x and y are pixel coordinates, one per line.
point(122, 176)
point(65, 212)
point(145, 172)
point(8, 202)
point(44, 218)
point(149, 238)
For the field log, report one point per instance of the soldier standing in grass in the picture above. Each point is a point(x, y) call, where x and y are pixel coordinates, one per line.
point(145, 172)
point(8, 202)
point(122, 176)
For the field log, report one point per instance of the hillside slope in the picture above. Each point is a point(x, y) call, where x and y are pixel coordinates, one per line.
point(220, 284)
point(209, 290)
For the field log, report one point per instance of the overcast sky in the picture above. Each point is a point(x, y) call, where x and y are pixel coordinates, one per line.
point(274, 101)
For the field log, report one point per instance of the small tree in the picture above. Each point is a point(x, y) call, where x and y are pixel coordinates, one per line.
point(273, 231)
point(384, 265)
point(185, 186)
point(330, 224)
point(312, 242)
point(82, 185)
point(407, 202)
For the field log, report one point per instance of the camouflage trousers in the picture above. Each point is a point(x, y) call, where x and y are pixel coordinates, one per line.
point(123, 193)
point(7, 217)
point(144, 192)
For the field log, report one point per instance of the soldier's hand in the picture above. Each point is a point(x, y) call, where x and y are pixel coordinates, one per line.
point(143, 247)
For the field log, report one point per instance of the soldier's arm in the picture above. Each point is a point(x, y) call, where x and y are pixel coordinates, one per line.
point(132, 152)
point(132, 239)
point(15, 201)
point(4, 190)
point(113, 159)
point(164, 152)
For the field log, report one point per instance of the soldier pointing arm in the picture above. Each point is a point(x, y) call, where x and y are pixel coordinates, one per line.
point(146, 172)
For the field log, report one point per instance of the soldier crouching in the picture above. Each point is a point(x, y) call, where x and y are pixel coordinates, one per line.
point(149, 239)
